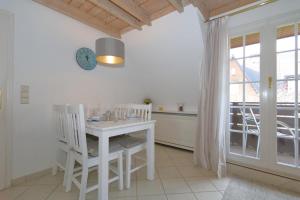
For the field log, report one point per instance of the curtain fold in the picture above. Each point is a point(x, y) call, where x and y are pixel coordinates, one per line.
point(210, 149)
point(6, 90)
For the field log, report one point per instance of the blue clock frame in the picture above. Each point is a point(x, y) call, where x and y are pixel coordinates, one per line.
point(86, 58)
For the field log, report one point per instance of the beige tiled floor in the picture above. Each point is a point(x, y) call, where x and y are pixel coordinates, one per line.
point(176, 179)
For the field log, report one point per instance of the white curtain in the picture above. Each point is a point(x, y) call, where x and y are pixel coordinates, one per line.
point(6, 97)
point(210, 149)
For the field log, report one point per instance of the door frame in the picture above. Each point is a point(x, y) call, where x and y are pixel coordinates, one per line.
point(7, 134)
point(267, 97)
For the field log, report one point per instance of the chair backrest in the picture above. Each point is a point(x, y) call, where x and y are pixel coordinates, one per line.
point(60, 122)
point(139, 110)
point(251, 122)
point(76, 127)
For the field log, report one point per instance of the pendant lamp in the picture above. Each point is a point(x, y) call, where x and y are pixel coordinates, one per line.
point(110, 51)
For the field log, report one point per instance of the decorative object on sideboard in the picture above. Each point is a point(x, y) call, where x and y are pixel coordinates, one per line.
point(160, 108)
point(110, 51)
point(180, 107)
point(86, 58)
point(147, 101)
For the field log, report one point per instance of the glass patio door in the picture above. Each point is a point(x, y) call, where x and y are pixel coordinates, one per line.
point(264, 95)
point(245, 95)
point(288, 60)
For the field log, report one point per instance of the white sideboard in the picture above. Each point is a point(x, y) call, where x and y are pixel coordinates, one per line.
point(176, 129)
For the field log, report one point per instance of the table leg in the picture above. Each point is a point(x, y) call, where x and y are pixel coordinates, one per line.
point(103, 146)
point(150, 153)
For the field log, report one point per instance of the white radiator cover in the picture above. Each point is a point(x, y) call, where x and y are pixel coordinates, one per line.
point(174, 129)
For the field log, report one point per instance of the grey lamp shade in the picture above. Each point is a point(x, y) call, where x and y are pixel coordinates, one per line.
point(110, 51)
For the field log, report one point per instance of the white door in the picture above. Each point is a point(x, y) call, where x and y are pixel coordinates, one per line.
point(264, 96)
point(5, 97)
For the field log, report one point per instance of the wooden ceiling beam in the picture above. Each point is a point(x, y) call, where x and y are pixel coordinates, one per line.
point(118, 12)
point(77, 3)
point(131, 7)
point(202, 7)
point(229, 6)
point(77, 14)
point(177, 4)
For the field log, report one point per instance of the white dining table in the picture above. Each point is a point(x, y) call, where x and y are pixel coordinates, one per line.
point(106, 129)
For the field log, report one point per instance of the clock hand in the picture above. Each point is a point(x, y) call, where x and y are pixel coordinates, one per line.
point(87, 58)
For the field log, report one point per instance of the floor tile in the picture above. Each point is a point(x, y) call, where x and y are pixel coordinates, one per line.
point(37, 193)
point(187, 196)
point(61, 195)
point(149, 188)
point(12, 193)
point(164, 162)
point(61, 188)
point(209, 196)
point(141, 174)
point(168, 172)
point(48, 180)
point(200, 184)
point(183, 161)
point(123, 198)
point(221, 184)
point(152, 197)
point(193, 171)
point(174, 186)
point(115, 192)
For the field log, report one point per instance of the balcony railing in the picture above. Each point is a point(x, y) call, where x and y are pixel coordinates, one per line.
point(285, 113)
point(287, 123)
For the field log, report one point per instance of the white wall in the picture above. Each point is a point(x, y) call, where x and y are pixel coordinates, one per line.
point(45, 43)
point(167, 57)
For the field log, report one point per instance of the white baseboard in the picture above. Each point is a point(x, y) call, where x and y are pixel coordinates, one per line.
point(174, 145)
point(30, 177)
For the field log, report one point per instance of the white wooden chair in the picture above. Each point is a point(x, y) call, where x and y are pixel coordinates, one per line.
point(60, 122)
point(131, 144)
point(80, 153)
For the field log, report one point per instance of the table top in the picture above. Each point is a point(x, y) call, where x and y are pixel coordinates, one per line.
point(109, 125)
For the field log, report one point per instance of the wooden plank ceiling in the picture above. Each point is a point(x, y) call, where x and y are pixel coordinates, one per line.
point(116, 17)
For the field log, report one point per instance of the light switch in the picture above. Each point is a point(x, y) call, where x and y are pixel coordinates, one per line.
point(1, 101)
point(24, 94)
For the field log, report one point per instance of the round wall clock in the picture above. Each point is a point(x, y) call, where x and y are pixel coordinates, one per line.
point(86, 58)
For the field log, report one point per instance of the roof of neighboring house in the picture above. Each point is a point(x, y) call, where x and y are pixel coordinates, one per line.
point(251, 75)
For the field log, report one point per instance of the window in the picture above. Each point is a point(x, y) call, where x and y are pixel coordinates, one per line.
point(287, 52)
point(245, 94)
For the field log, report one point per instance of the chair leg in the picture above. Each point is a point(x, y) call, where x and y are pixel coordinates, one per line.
point(120, 171)
point(66, 169)
point(295, 151)
point(54, 169)
point(55, 165)
point(84, 179)
point(127, 170)
point(258, 145)
point(70, 171)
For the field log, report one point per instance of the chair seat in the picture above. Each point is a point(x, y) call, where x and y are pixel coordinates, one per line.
point(284, 136)
point(253, 132)
point(93, 148)
point(130, 141)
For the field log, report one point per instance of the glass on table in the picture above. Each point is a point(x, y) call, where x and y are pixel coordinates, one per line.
point(92, 113)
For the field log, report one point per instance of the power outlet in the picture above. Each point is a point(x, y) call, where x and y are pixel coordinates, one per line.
point(24, 94)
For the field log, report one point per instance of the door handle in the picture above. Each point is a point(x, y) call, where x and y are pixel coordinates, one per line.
point(270, 81)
